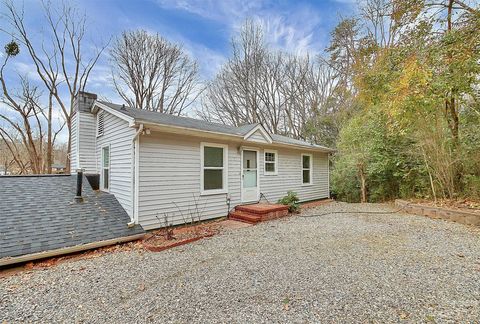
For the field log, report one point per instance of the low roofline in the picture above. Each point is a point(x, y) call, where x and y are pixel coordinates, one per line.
point(165, 127)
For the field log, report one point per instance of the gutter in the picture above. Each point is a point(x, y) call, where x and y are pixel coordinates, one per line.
point(134, 158)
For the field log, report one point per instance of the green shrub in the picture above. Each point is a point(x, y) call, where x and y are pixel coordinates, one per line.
point(472, 186)
point(291, 200)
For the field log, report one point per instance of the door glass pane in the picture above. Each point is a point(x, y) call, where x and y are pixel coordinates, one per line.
point(212, 179)
point(249, 178)
point(105, 179)
point(306, 162)
point(249, 159)
point(306, 176)
point(213, 156)
point(106, 157)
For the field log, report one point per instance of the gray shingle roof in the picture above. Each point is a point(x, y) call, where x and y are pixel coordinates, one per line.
point(39, 214)
point(146, 116)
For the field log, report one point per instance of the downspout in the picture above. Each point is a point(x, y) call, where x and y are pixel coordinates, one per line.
point(134, 139)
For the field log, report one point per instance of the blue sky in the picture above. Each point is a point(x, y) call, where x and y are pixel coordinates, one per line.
point(203, 27)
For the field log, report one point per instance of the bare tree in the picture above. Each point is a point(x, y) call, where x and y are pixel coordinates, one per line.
point(233, 97)
point(61, 61)
point(152, 73)
point(284, 92)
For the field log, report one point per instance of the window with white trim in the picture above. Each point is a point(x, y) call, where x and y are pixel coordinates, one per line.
point(270, 162)
point(105, 176)
point(214, 168)
point(100, 122)
point(307, 163)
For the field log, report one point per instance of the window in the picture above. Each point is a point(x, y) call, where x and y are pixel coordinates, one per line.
point(270, 162)
point(214, 168)
point(105, 176)
point(306, 169)
point(100, 122)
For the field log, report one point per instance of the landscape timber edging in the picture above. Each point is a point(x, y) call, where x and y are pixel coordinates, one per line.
point(452, 215)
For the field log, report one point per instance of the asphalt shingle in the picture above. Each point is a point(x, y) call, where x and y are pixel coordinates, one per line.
point(39, 214)
point(146, 116)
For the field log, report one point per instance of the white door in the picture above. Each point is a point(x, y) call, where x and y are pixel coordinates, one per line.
point(250, 187)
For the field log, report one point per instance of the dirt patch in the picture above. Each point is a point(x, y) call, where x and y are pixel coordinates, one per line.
point(53, 261)
point(153, 241)
point(166, 238)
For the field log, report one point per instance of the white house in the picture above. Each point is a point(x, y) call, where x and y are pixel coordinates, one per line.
point(157, 164)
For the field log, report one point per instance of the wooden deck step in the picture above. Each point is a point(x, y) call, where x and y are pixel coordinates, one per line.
point(245, 217)
point(261, 209)
point(255, 213)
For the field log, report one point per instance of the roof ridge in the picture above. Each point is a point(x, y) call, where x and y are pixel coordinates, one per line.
point(120, 107)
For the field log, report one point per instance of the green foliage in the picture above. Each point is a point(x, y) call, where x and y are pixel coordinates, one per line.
point(291, 200)
point(12, 49)
point(371, 140)
point(406, 141)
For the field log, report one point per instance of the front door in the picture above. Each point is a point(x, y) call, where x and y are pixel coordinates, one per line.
point(250, 188)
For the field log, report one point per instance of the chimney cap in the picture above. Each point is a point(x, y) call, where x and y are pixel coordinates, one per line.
point(87, 95)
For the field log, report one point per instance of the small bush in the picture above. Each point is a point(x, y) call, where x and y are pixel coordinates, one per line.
point(291, 200)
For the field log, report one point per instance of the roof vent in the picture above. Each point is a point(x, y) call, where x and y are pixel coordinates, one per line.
point(123, 107)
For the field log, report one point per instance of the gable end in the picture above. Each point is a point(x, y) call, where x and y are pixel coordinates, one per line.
point(258, 134)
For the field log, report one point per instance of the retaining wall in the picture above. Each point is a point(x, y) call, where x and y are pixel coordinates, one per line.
point(452, 215)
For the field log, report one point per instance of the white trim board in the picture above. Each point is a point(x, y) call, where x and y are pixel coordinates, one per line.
point(224, 190)
point(262, 130)
point(241, 174)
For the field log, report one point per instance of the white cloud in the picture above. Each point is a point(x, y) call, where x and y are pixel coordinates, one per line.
point(293, 31)
point(27, 69)
point(214, 9)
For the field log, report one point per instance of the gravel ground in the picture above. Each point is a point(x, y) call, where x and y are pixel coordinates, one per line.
point(340, 267)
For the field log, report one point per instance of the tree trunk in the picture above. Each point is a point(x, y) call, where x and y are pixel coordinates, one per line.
point(49, 136)
point(363, 183)
point(69, 145)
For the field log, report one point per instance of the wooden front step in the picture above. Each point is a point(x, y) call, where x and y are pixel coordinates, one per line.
point(258, 212)
point(245, 217)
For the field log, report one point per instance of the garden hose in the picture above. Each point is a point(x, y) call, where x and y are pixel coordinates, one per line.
point(356, 212)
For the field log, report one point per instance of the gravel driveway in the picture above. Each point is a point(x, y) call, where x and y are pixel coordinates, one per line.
point(335, 268)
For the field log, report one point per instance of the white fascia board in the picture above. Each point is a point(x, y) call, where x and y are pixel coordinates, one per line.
point(262, 130)
point(96, 105)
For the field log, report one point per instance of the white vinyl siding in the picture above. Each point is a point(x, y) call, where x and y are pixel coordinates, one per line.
point(169, 175)
point(290, 177)
point(74, 144)
point(86, 142)
point(118, 136)
point(170, 183)
point(257, 136)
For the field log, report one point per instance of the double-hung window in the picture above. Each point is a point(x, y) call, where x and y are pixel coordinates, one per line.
point(270, 162)
point(307, 166)
point(105, 176)
point(214, 168)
